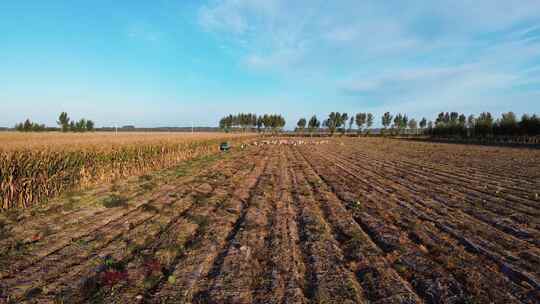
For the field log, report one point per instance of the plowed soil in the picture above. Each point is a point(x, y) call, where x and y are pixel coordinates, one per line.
point(360, 220)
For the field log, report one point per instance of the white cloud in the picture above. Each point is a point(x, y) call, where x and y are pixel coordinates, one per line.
point(414, 79)
point(421, 52)
point(273, 33)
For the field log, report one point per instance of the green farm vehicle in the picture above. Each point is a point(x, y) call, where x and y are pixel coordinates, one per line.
point(224, 147)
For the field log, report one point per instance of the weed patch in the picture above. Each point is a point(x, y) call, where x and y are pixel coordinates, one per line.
point(201, 221)
point(5, 232)
point(149, 208)
point(148, 186)
point(145, 178)
point(114, 201)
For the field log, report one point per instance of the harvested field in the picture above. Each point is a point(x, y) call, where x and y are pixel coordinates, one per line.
point(346, 220)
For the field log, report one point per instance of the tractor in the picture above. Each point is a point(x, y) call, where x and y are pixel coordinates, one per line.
point(224, 147)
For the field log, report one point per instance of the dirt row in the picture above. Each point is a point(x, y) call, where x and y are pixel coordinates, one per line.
point(504, 163)
point(66, 265)
point(326, 223)
point(389, 204)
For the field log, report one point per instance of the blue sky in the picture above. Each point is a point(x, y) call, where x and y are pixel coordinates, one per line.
point(165, 62)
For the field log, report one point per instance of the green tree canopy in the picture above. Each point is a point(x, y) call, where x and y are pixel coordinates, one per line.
point(301, 123)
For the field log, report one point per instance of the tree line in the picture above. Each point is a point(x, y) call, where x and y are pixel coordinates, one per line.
point(68, 125)
point(337, 121)
point(342, 122)
point(446, 124)
point(64, 122)
point(250, 121)
point(456, 124)
point(29, 126)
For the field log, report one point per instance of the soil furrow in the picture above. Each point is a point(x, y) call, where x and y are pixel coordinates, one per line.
point(153, 263)
point(454, 176)
point(235, 276)
point(493, 238)
point(202, 251)
point(381, 283)
point(496, 240)
point(390, 238)
point(521, 203)
point(450, 198)
point(284, 276)
point(51, 247)
point(61, 229)
point(466, 158)
point(93, 216)
point(329, 279)
point(76, 254)
point(291, 220)
point(497, 197)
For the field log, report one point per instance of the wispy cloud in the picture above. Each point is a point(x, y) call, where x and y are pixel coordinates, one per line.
point(392, 52)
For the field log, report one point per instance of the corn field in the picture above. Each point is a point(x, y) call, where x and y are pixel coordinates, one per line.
point(30, 176)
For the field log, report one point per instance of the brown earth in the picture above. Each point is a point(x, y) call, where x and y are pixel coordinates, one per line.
point(362, 220)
